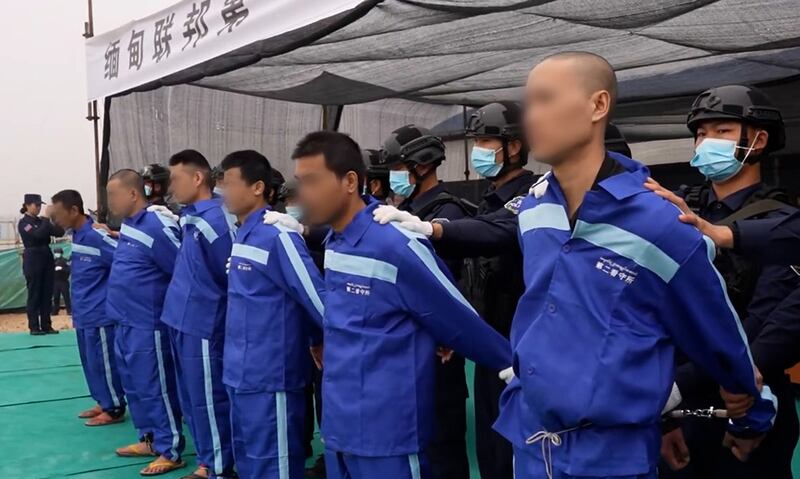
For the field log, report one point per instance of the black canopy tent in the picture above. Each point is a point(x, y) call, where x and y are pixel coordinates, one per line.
point(430, 57)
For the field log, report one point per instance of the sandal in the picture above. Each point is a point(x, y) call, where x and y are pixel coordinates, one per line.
point(90, 413)
point(104, 419)
point(200, 473)
point(139, 449)
point(162, 465)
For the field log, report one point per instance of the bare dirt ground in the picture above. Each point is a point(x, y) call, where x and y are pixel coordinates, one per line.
point(18, 323)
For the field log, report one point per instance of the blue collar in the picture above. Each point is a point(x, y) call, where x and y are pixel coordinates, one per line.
point(135, 219)
point(253, 219)
point(201, 206)
point(87, 226)
point(353, 232)
point(629, 183)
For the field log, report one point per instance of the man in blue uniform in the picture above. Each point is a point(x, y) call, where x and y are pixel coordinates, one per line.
point(37, 264)
point(274, 304)
point(92, 255)
point(735, 128)
point(194, 310)
point(140, 273)
point(389, 301)
point(614, 283)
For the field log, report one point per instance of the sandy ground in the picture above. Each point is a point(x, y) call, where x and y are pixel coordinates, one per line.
point(18, 323)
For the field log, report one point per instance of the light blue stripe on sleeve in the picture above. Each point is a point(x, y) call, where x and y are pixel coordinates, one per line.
point(170, 228)
point(87, 250)
point(427, 258)
point(108, 239)
point(139, 236)
point(543, 215)
point(205, 229)
point(300, 269)
point(283, 435)
point(360, 266)
point(629, 245)
point(252, 253)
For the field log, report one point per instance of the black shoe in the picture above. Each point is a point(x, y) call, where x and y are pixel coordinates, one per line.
point(317, 471)
point(50, 331)
point(36, 332)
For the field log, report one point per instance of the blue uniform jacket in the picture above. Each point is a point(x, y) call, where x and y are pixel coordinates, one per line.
point(143, 264)
point(275, 296)
point(197, 296)
point(92, 254)
point(389, 302)
point(595, 332)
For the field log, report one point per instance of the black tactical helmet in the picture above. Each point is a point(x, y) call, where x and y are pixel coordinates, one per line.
point(277, 180)
point(412, 144)
point(217, 173)
point(372, 160)
point(287, 190)
point(155, 172)
point(502, 120)
point(615, 141)
point(746, 104)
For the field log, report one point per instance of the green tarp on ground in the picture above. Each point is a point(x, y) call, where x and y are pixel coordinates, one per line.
point(12, 282)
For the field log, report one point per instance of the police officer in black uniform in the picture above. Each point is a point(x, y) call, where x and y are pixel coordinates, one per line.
point(38, 263)
point(377, 176)
point(61, 284)
point(156, 184)
point(735, 127)
point(412, 154)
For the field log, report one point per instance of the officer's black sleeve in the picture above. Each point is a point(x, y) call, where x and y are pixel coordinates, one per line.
point(769, 240)
point(45, 230)
point(485, 235)
point(776, 347)
point(315, 238)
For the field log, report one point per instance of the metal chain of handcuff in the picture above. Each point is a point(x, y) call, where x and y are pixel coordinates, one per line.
point(707, 413)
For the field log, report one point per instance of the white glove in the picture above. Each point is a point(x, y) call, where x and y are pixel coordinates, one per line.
point(273, 218)
point(390, 214)
point(507, 375)
point(163, 211)
point(58, 268)
point(228, 266)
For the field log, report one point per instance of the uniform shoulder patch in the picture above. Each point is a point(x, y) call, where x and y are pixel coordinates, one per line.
point(514, 205)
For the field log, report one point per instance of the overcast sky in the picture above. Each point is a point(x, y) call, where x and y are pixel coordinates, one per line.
point(46, 144)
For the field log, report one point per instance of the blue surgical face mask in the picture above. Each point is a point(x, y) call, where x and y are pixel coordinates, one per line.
point(295, 212)
point(716, 158)
point(400, 184)
point(148, 190)
point(483, 160)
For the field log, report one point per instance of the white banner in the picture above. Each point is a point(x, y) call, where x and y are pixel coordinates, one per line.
point(191, 32)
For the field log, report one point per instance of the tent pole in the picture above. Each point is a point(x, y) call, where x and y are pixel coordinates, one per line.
point(331, 116)
point(466, 143)
point(88, 32)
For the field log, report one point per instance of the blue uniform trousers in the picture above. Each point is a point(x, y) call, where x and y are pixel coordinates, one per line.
point(528, 464)
point(268, 433)
point(204, 400)
point(347, 466)
point(148, 377)
point(96, 349)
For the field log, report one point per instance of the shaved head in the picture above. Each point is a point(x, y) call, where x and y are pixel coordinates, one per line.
point(568, 102)
point(129, 179)
point(593, 71)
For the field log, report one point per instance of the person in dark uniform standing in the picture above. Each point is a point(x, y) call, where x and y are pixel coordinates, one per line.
point(735, 127)
point(38, 264)
point(61, 285)
point(412, 154)
point(377, 176)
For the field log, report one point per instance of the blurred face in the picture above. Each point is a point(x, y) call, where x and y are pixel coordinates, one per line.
point(560, 112)
point(323, 195)
point(185, 183)
point(121, 199)
point(241, 198)
point(64, 217)
point(33, 208)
